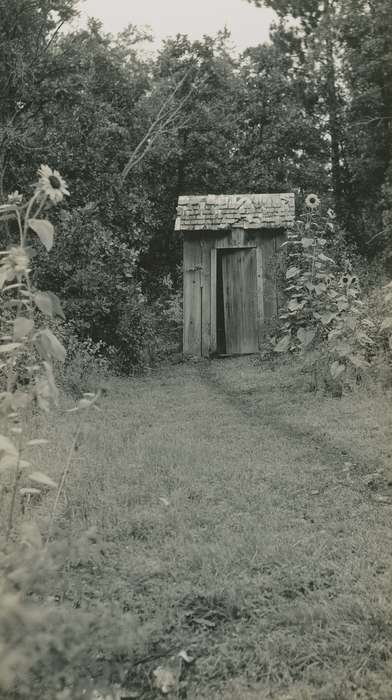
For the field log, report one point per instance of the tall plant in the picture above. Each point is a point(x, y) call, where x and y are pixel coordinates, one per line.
point(324, 306)
point(27, 345)
point(28, 349)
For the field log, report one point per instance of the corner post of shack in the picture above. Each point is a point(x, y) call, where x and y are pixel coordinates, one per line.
point(230, 286)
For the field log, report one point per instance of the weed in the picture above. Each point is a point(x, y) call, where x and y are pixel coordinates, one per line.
point(327, 318)
point(28, 347)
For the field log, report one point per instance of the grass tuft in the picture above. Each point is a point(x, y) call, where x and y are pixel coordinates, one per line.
point(221, 509)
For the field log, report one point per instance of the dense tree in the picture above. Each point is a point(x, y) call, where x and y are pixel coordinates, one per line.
point(366, 38)
point(194, 156)
point(309, 111)
point(31, 71)
point(313, 47)
point(345, 49)
point(280, 145)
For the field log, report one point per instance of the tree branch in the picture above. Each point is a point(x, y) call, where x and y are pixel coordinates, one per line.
point(372, 120)
point(166, 115)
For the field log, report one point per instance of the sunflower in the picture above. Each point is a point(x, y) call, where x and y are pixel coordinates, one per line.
point(331, 214)
point(312, 201)
point(15, 198)
point(14, 262)
point(51, 184)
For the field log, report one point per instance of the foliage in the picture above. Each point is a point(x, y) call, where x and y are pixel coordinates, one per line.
point(262, 121)
point(325, 308)
point(97, 279)
point(168, 319)
point(166, 492)
point(280, 147)
point(317, 294)
point(87, 364)
point(28, 349)
point(341, 52)
point(309, 110)
point(22, 335)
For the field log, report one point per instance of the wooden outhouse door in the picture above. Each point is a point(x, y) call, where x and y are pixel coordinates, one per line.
point(239, 281)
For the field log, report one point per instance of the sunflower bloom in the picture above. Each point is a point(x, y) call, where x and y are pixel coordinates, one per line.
point(312, 201)
point(51, 184)
point(15, 198)
point(331, 214)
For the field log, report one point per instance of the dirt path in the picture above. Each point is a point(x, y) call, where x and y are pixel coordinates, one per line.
point(243, 526)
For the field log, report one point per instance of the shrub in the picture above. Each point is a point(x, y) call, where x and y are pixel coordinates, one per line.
point(27, 349)
point(326, 312)
point(87, 364)
point(168, 315)
point(29, 634)
point(96, 274)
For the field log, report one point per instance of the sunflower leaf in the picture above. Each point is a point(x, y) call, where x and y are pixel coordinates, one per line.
point(41, 478)
point(44, 302)
point(49, 346)
point(387, 323)
point(7, 446)
point(305, 336)
point(284, 344)
point(9, 347)
point(307, 242)
point(292, 272)
point(22, 327)
point(336, 369)
point(56, 305)
point(44, 230)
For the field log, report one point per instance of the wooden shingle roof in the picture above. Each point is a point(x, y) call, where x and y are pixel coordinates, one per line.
point(224, 211)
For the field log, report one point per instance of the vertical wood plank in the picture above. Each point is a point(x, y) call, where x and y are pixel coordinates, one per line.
point(236, 238)
point(213, 263)
point(231, 302)
point(206, 245)
point(192, 297)
point(239, 272)
point(269, 286)
point(260, 296)
point(280, 296)
point(249, 302)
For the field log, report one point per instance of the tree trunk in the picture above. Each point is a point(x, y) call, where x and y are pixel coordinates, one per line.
point(333, 109)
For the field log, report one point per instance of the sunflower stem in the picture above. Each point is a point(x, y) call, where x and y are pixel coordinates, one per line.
point(27, 217)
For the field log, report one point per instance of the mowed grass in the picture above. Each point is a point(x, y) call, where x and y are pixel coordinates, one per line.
point(241, 519)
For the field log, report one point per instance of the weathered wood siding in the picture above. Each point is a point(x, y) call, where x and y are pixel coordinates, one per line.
point(240, 300)
point(269, 245)
point(252, 292)
point(236, 238)
point(192, 296)
point(206, 245)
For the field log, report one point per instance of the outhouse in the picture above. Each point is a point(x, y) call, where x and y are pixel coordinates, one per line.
point(230, 291)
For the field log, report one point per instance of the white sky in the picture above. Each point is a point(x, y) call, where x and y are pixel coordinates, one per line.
point(249, 25)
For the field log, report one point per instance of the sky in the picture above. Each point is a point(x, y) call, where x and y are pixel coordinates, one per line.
point(249, 25)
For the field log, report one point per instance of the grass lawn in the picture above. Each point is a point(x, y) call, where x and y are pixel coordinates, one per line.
point(239, 518)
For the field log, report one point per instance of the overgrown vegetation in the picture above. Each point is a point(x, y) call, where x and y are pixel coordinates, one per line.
point(344, 332)
point(247, 524)
point(180, 540)
point(308, 112)
point(28, 349)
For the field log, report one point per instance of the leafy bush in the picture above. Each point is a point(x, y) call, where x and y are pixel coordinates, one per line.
point(25, 342)
point(97, 275)
point(168, 315)
point(326, 311)
point(87, 364)
point(317, 290)
point(29, 634)
point(46, 644)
